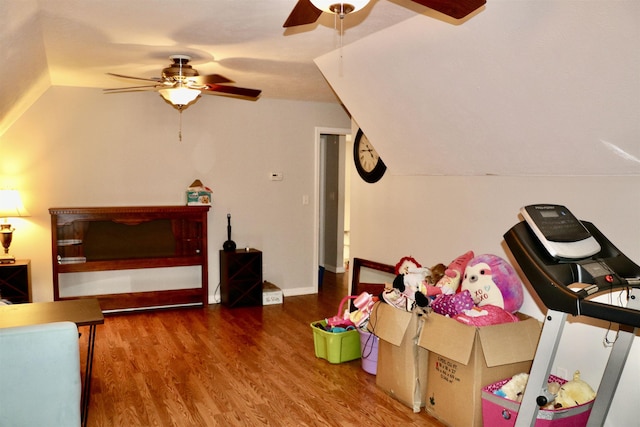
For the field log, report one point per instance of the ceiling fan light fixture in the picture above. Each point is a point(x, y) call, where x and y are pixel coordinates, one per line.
point(179, 96)
point(339, 8)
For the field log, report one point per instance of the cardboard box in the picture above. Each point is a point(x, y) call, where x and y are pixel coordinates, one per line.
point(402, 364)
point(498, 411)
point(463, 359)
point(271, 294)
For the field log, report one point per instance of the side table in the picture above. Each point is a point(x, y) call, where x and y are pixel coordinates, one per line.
point(15, 281)
point(241, 278)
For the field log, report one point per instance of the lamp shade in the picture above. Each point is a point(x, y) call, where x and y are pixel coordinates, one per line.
point(333, 6)
point(179, 95)
point(11, 205)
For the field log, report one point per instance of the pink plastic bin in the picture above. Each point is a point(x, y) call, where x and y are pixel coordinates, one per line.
point(498, 411)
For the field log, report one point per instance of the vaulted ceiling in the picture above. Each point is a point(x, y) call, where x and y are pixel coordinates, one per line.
point(76, 42)
point(519, 87)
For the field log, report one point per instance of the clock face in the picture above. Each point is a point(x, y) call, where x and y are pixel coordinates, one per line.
point(368, 163)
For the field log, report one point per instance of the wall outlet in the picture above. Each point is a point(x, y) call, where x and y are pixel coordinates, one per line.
point(276, 176)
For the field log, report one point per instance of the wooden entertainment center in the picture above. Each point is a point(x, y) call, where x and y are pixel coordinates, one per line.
point(122, 238)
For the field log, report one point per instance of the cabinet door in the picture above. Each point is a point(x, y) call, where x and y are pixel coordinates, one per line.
point(241, 278)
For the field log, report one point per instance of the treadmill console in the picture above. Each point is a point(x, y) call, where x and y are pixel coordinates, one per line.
point(568, 261)
point(561, 233)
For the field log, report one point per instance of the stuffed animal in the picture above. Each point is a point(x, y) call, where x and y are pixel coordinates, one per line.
point(492, 280)
point(413, 285)
point(405, 263)
point(437, 273)
point(441, 287)
point(452, 305)
point(409, 285)
point(574, 393)
point(485, 316)
point(452, 277)
point(514, 388)
point(409, 273)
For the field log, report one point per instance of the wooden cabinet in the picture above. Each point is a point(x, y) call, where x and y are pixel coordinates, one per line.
point(122, 238)
point(15, 281)
point(241, 277)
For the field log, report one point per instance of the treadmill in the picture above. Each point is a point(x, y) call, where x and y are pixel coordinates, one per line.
point(568, 263)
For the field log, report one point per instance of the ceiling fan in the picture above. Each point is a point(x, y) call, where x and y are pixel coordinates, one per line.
point(308, 11)
point(181, 84)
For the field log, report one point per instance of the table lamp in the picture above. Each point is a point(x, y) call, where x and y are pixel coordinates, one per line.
point(10, 207)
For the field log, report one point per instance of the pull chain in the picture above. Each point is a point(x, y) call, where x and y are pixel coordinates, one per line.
point(341, 33)
point(181, 106)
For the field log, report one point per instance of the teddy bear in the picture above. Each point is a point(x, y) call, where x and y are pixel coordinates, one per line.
point(573, 393)
point(514, 388)
point(437, 272)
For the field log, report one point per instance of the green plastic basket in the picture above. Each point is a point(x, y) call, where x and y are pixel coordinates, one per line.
point(336, 347)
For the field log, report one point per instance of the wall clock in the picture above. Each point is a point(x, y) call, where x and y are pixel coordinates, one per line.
point(369, 165)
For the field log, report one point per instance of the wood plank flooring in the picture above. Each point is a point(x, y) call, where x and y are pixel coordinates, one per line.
point(233, 367)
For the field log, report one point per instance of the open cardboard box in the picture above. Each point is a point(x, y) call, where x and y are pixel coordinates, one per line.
point(402, 364)
point(463, 359)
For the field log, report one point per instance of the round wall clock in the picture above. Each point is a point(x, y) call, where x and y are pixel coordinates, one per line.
point(369, 165)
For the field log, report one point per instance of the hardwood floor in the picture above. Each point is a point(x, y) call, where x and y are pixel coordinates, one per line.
point(233, 367)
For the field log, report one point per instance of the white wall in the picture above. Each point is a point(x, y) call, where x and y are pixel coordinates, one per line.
point(435, 219)
point(80, 147)
point(525, 87)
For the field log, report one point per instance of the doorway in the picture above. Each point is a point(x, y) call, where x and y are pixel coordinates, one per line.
point(332, 200)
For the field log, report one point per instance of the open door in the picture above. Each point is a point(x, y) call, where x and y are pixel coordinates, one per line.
point(332, 146)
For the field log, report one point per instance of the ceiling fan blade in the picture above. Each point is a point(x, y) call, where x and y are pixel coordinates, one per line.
point(154, 79)
point(130, 88)
point(456, 9)
point(239, 92)
point(304, 12)
point(208, 79)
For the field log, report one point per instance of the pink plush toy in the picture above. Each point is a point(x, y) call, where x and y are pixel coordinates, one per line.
point(492, 280)
point(485, 316)
point(453, 274)
point(446, 298)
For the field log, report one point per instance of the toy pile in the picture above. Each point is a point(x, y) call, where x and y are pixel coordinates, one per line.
point(345, 320)
point(475, 290)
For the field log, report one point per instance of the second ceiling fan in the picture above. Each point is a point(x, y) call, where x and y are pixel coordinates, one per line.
point(308, 11)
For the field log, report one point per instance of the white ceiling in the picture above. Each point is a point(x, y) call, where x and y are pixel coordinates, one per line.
point(78, 41)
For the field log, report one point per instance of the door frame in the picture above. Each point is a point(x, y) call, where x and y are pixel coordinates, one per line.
point(319, 131)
